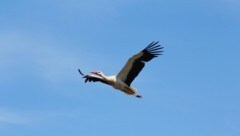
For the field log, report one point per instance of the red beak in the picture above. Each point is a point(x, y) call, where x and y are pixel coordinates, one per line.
point(94, 72)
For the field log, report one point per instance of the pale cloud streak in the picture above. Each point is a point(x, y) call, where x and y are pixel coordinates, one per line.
point(10, 117)
point(233, 121)
point(47, 59)
point(94, 5)
point(230, 5)
point(33, 117)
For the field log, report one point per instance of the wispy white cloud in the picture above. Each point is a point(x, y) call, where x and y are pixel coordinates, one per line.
point(48, 59)
point(94, 5)
point(233, 121)
point(230, 5)
point(33, 117)
point(10, 117)
point(234, 2)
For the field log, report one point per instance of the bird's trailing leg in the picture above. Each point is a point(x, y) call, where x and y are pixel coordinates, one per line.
point(131, 91)
point(84, 76)
point(80, 72)
point(138, 95)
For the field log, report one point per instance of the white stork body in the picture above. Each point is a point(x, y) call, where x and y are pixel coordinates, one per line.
point(118, 84)
point(128, 73)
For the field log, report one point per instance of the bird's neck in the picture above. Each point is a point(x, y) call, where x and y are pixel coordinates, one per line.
point(104, 77)
point(110, 79)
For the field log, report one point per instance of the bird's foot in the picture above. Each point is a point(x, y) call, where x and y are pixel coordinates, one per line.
point(138, 96)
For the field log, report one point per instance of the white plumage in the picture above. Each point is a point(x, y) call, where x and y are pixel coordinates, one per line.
point(122, 81)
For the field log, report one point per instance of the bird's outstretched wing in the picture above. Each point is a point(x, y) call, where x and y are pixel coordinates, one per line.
point(92, 78)
point(136, 63)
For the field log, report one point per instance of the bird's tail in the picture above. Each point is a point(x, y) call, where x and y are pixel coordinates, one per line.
point(132, 91)
point(136, 92)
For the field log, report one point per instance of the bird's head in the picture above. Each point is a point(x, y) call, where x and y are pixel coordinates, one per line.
point(99, 73)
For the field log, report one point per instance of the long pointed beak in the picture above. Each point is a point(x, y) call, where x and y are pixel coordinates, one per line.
point(94, 72)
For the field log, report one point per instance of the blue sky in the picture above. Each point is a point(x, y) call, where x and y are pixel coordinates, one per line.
point(191, 90)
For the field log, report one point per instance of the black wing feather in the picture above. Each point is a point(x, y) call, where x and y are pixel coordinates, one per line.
point(90, 78)
point(151, 51)
point(138, 66)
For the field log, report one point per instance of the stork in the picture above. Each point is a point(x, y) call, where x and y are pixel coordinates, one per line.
point(122, 81)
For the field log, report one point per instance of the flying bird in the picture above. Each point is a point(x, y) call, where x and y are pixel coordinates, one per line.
point(122, 81)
